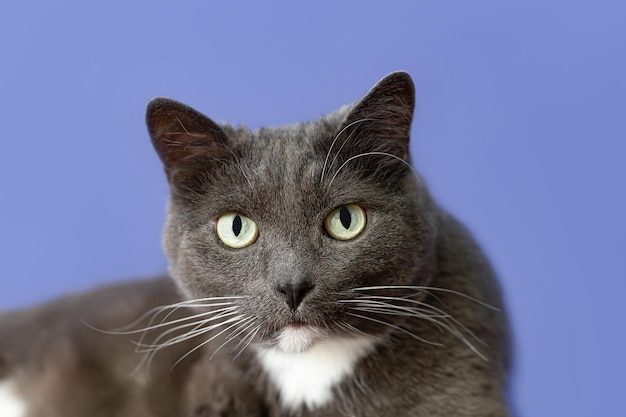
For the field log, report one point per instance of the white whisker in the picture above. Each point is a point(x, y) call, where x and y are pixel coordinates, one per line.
point(150, 350)
point(154, 312)
point(341, 147)
point(445, 322)
point(236, 319)
point(382, 305)
point(402, 312)
point(243, 326)
point(248, 339)
point(370, 154)
point(426, 307)
point(168, 323)
point(198, 329)
point(425, 289)
point(400, 329)
point(333, 144)
point(350, 329)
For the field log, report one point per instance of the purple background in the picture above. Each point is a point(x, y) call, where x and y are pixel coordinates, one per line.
point(520, 130)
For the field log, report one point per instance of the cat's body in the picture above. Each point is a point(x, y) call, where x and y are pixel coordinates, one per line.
point(55, 365)
point(318, 278)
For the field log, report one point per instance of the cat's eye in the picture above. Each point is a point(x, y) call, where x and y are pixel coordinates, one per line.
point(236, 230)
point(346, 222)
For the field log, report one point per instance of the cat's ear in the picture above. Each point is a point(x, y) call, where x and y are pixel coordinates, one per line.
point(179, 132)
point(387, 108)
point(374, 136)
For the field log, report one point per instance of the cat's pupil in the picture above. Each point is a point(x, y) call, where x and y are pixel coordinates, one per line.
point(237, 224)
point(345, 217)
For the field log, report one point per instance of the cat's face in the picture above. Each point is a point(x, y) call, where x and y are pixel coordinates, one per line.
point(295, 223)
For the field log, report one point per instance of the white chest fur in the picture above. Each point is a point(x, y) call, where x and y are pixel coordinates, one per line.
point(10, 404)
point(307, 378)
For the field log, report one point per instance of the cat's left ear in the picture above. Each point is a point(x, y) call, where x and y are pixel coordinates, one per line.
point(179, 132)
point(382, 119)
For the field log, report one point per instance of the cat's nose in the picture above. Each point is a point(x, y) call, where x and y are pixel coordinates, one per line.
point(294, 292)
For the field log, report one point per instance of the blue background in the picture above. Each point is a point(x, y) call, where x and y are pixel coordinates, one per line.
point(520, 130)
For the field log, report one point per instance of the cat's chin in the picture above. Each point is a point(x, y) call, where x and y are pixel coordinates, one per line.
point(298, 338)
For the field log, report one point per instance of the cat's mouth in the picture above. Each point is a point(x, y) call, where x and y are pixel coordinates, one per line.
point(298, 337)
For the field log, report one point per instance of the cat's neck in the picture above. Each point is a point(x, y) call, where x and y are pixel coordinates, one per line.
point(307, 378)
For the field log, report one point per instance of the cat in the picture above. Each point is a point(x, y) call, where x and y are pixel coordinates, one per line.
point(312, 274)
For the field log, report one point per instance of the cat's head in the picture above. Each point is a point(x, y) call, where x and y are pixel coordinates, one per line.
point(295, 222)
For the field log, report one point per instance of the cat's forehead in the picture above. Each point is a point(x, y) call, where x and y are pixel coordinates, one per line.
point(289, 137)
point(285, 167)
point(290, 151)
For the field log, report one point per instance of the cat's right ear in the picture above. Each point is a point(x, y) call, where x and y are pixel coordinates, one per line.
point(179, 132)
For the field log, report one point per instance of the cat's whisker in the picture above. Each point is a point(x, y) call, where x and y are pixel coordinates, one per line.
point(343, 144)
point(205, 299)
point(350, 329)
point(249, 323)
point(247, 340)
point(405, 306)
point(154, 312)
point(394, 310)
point(422, 306)
point(151, 353)
point(241, 328)
point(152, 349)
point(204, 302)
point(398, 328)
point(236, 321)
point(333, 144)
point(434, 315)
point(144, 331)
point(248, 329)
point(198, 305)
point(218, 314)
point(426, 289)
point(401, 312)
point(361, 155)
point(430, 308)
point(162, 324)
point(437, 320)
point(198, 329)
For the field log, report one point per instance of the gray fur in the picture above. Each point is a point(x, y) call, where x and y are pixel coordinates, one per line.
point(287, 180)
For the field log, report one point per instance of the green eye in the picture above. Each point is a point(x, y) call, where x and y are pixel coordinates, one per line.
point(346, 222)
point(236, 230)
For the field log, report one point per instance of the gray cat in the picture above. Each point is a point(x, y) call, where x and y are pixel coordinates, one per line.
point(317, 277)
